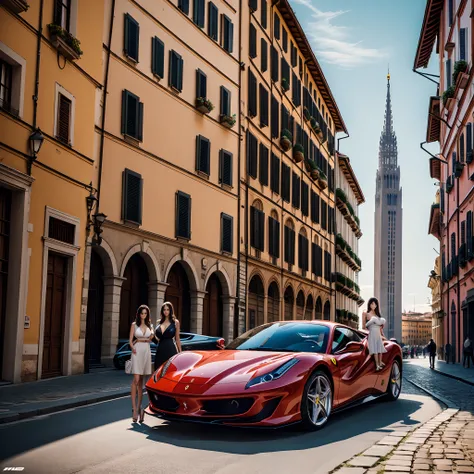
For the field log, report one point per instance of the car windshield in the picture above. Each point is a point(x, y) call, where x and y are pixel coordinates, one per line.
point(282, 336)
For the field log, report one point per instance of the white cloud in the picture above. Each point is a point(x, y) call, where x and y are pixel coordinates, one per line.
point(332, 43)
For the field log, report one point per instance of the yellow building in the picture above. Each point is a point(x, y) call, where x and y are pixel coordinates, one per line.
point(49, 82)
point(416, 328)
point(287, 224)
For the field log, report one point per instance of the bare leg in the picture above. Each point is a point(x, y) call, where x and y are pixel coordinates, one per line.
point(140, 392)
point(135, 382)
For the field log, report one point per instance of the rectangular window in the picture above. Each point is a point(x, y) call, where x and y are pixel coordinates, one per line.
point(183, 215)
point(201, 84)
point(284, 40)
point(461, 148)
point(252, 98)
point(463, 232)
point(263, 106)
point(203, 155)
point(158, 57)
point(257, 228)
point(296, 90)
point(450, 12)
point(213, 22)
point(303, 252)
point(6, 85)
point(275, 117)
point(61, 230)
point(263, 14)
point(294, 55)
point(253, 4)
point(132, 195)
point(225, 102)
point(275, 174)
point(462, 44)
point(285, 71)
point(199, 7)
point(131, 38)
point(285, 182)
point(315, 207)
point(274, 64)
point(252, 148)
point(469, 234)
point(62, 14)
point(289, 245)
point(273, 237)
point(317, 260)
point(327, 266)
point(252, 41)
point(183, 5)
point(276, 26)
point(324, 215)
point(469, 142)
point(304, 198)
point(227, 231)
point(227, 34)
point(296, 187)
point(63, 120)
point(301, 66)
point(449, 74)
point(225, 167)
point(176, 71)
point(263, 55)
point(285, 119)
point(263, 171)
point(132, 115)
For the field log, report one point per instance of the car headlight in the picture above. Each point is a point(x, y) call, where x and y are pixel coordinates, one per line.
point(273, 375)
point(163, 370)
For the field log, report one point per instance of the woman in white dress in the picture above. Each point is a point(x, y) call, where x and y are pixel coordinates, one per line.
point(375, 323)
point(141, 334)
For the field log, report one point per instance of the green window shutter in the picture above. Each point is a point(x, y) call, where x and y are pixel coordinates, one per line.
point(213, 21)
point(132, 196)
point(158, 57)
point(124, 111)
point(183, 215)
point(225, 167)
point(131, 37)
point(140, 121)
point(203, 148)
point(252, 41)
point(227, 225)
point(225, 101)
point(183, 5)
point(201, 84)
point(199, 7)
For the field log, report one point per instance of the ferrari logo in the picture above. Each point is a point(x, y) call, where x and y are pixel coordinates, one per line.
point(187, 386)
point(382, 382)
point(333, 360)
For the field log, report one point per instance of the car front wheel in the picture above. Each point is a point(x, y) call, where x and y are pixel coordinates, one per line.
point(394, 387)
point(316, 404)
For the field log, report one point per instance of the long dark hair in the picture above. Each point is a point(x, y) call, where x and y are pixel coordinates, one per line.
point(377, 310)
point(162, 314)
point(138, 319)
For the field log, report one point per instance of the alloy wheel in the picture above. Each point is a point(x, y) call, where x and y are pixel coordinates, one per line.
point(395, 380)
point(319, 400)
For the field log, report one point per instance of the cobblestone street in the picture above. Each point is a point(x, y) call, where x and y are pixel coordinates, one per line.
point(444, 444)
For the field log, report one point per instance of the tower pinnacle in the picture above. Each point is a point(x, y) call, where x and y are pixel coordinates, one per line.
point(388, 140)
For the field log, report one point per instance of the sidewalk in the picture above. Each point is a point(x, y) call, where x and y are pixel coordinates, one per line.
point(19, 401)
point(456, 371)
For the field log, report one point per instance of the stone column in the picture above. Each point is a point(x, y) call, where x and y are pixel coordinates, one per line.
point(265, 309)
point(110, 326)
point(228, 306)
point(197, 304)
point(156, 298)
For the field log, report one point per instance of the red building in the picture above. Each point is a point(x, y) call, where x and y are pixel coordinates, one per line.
point(448, 25)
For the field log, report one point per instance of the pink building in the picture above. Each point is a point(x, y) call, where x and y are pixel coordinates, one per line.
point(448, 26)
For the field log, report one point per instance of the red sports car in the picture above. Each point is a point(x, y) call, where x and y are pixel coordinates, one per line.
point(274, 375)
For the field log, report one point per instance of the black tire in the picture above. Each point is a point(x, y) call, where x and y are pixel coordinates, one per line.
point(308, 411)
point(394, 386)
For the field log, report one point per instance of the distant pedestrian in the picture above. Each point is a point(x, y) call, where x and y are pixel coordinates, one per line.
point(375, 326)
point(431, 348)
point(468, 353)
point(141, 334)
point(412, 352)
point(447, 351)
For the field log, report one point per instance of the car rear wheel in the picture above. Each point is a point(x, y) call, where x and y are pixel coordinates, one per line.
point(316, 404)
point(394, 387)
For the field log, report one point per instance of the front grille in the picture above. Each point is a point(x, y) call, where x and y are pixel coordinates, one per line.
point(163, 402)
point(231, 406)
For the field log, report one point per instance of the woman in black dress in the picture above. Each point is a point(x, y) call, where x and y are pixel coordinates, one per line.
point(167, 335)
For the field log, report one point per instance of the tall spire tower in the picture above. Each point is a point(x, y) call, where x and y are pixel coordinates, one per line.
point(388, 227)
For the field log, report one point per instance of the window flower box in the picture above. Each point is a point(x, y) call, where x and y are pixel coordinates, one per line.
point(460, 76)
point(298, 153)
point(286, 139)
point(458, 168)
point(64, 42)
point(204, 105)
point(306, 114)
point(322, 180)
point(228, 121)
point(448, 97)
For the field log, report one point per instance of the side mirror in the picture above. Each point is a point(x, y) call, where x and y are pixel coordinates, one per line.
point(351, 347)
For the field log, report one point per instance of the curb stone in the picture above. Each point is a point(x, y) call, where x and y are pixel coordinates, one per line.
point(401, 450)
point(453, 377)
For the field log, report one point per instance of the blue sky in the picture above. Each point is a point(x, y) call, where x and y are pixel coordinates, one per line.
point(354, 42)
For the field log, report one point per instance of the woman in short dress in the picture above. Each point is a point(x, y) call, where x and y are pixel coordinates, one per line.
point(167, 335)
point(375, 324)
point(141, 334)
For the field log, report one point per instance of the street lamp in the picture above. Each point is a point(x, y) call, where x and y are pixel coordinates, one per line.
point(95, 220)
point(36, 141)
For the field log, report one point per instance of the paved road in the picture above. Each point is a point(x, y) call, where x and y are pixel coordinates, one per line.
point(101, 439)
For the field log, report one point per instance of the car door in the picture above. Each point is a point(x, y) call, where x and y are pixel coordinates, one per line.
point(356, 371)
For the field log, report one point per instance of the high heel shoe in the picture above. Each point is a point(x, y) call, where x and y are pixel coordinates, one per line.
point(134, 418)
point(142, 415)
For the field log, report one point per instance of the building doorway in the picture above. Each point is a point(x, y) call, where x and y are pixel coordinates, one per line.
point(308, 314)
point(318, 312)
point(134, 293)
point(273, 303)
point(327, 311)
point(55, 316)
point(256, 300)
point(178, 294)
point(289, 298)
point(212, 324)
point(95, 312)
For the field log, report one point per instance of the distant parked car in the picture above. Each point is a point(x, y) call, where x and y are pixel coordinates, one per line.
point(189, 342)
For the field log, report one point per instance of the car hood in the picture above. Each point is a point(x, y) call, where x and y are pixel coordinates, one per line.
point(223, 366)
